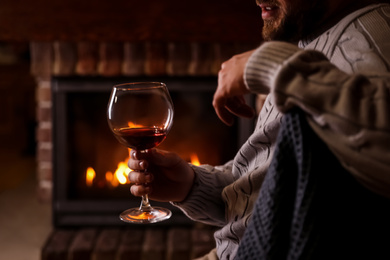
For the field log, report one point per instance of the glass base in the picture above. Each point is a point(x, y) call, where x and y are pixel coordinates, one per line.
point(150, 215)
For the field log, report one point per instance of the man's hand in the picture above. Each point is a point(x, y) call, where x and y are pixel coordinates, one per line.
point(229, 96)
point(161, 174)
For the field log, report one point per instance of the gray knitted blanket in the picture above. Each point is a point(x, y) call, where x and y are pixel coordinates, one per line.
point(310, 207)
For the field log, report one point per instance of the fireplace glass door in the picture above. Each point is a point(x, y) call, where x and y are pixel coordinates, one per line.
point(90, 166)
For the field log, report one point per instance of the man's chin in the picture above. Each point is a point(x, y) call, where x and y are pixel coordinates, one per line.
point(270, 31)
point(280, 34)
point(273, 35)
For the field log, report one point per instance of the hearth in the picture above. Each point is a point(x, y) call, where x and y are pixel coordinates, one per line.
point(90, 187)
point(110, 39)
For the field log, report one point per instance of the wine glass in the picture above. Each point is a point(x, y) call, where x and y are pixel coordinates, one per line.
point(140, 115)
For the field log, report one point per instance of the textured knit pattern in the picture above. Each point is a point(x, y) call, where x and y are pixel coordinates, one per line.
point(347, 100)
point(311, 208)
point(225, 195)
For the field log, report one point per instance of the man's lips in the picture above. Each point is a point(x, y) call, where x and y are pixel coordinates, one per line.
point(268, 11)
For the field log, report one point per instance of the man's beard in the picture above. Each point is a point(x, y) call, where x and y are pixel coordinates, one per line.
point(295, 22)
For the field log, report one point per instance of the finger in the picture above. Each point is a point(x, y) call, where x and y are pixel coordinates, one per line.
point(238, 107)
point(137, 165)
point(225, 115)
point(140, 177)
point(140, 190)
point(137, 155)
point(219, 106)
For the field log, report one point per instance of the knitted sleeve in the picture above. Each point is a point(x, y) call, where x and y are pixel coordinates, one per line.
point(350, 112)
point(204, 203)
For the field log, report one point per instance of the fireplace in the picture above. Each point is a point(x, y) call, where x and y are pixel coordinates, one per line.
point(90, 185)
point(127, 39)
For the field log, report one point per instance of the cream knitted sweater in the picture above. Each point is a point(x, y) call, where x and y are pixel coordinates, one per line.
point(347, 101)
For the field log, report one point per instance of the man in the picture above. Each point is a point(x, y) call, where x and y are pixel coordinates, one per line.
point(336, 40)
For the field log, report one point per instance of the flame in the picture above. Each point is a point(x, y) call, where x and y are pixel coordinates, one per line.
point(194, 159)
point(90, 176)
point(113, 179)
point(110, 178)
point(132, 125)
point(120, 175)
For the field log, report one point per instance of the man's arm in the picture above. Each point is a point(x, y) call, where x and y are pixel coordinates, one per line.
point(351, 113)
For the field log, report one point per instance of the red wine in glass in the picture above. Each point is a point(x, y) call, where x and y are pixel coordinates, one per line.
point(140, 115)
point(140, 138)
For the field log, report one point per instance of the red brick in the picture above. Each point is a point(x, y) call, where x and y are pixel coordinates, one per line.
point(45, 174)
point(44, 154)
point(44, 134)
point(134, 59)
point(41, 57)
point(154, 244)
point(179, 57)
point(202, 59)
point(43, 94)
point(110, 59)
point(107, 244)
point(44, 114)
point(156, 59)
point(87, 54)
point(44, 194)
point(82, 244)
point(64, 59)
point(178, 244)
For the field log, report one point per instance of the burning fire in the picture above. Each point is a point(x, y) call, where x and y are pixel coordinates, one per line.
point(90, 176)
point(132, 125)
point(113, 179)
point(119, 177)
point(195, 159)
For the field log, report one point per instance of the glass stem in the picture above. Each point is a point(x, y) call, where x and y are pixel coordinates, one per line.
point(145, 205)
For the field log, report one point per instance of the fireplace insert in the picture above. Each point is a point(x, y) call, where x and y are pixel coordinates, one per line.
point(90, 166)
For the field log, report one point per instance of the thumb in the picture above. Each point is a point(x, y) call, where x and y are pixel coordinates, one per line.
point(163, 158)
